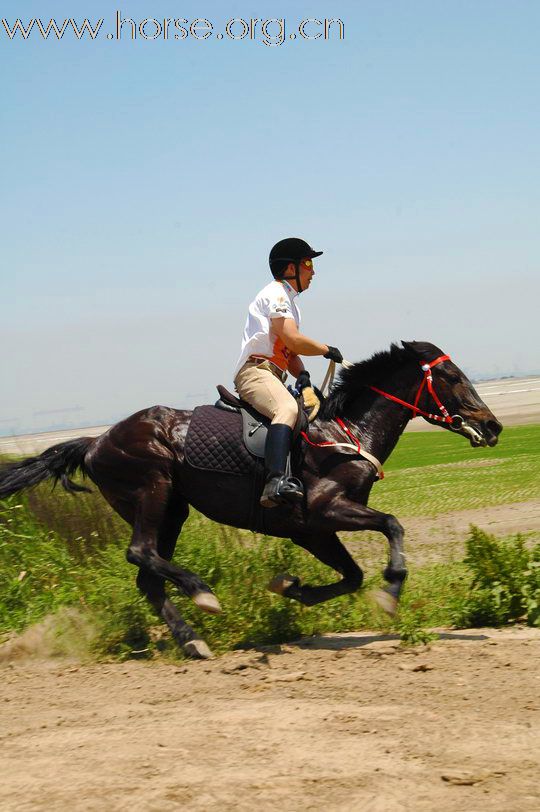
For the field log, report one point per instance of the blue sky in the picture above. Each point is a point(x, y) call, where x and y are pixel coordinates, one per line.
point(145, 182)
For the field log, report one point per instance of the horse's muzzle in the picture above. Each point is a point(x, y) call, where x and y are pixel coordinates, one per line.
point(479, 432)
point(492, 429)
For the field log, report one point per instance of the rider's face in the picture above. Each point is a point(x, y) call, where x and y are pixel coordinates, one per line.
point(306, 273)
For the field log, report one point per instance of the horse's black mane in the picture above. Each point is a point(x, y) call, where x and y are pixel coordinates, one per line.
point(352, 382)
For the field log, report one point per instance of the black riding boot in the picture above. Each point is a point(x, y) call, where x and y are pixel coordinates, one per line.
point(279, 488)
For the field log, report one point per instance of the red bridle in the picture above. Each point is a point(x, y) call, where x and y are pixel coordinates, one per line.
point(427, 381)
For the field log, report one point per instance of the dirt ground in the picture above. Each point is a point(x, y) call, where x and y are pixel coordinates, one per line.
point(441, 538)
point(501, 520)
point(348, 722)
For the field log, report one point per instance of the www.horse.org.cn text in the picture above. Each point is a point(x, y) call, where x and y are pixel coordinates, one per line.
point(270, 32)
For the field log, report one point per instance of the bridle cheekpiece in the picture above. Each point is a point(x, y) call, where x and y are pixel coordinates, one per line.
point(427, 381)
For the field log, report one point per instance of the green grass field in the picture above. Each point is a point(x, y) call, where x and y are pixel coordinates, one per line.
point(61, 552)
point(437, 472)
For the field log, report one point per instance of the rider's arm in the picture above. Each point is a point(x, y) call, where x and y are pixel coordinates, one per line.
point(296, 365)
point(295, 341)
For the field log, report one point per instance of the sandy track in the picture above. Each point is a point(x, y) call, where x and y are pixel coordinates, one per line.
point(342, 724)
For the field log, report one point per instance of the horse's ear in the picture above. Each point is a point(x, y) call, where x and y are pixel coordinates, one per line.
point(410, 346)
point(423, 350)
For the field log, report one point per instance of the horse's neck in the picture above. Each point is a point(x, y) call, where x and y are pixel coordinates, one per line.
point(380, 422)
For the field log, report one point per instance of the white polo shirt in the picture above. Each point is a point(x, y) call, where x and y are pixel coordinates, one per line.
point(276, 300)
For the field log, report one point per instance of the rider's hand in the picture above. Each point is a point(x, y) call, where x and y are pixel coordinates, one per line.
point(302, 381)
point(334, 355)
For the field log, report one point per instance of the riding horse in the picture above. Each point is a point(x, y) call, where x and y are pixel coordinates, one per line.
point(140, 467)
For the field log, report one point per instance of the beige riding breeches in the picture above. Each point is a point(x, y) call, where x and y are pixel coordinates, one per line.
point(261, 385)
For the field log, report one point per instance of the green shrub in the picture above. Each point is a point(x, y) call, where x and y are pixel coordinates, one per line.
point(531, 588)
point(413, 633)
point(506, 580)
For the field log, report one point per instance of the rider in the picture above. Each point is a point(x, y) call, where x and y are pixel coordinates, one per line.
point(271, 347)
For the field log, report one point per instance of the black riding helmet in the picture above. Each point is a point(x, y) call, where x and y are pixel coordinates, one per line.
point(290, 250)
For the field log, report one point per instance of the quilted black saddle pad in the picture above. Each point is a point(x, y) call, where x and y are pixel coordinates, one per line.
point(214, 443)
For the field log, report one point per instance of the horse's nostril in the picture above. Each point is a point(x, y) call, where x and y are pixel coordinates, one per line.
point(494, 427)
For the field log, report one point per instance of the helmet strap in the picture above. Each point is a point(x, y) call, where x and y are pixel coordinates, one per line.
point(297, 274)
point(296, 277)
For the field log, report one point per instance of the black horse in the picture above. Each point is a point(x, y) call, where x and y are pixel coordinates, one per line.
point(140, 468)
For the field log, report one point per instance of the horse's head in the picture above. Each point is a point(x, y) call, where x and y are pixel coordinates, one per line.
point(470, 415)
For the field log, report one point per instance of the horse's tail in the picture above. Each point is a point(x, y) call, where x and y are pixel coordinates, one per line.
point(57, 462)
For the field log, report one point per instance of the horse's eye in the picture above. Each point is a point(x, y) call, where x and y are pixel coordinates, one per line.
point(450, 377)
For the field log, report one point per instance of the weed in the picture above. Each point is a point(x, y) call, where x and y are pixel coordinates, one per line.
point(412, 633)
point(530, 589)
point(506, 580)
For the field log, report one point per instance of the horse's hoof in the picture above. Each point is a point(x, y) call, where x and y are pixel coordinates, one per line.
point(208, 602)
point(385, 601)
point(198, 650)
point(282, 582)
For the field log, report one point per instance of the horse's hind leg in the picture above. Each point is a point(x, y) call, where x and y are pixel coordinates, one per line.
point(328, 549)
point(153, 586)
point(155, 512)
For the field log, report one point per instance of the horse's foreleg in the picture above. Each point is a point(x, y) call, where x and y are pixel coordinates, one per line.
point(344, 514)
point(330, 551)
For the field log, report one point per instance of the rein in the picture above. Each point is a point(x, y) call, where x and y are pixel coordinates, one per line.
point(355, 445)
point(329, 377)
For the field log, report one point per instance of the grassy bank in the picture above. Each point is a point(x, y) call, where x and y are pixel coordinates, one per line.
point(57, 551)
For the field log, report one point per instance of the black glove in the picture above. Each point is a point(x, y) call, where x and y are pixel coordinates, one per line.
point(302, 381)
point(334, 355)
